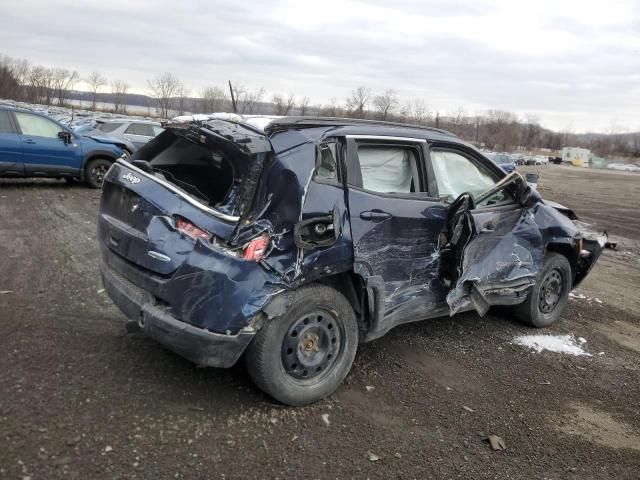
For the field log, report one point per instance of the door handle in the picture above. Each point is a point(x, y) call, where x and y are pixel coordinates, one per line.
point(374, 215)
point(29, 140)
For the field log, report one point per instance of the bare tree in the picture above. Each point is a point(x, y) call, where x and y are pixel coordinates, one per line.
point(213, 99)
point(358, 102)
point(40, 85)
point(9, 85)
point(303, 106)
point(248, 100)
point(96, 81)
point(183, 95)
point(500, 129)
point(456, 120)
point(331, 109)
point(417, 112)
point(164, 88)
point(119, 89)
point(386, 104)
point(63, 82)
point(283, 105)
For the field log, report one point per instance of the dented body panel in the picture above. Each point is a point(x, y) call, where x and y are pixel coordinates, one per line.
point(391, 256)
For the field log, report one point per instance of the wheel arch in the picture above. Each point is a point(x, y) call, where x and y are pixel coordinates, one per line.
point(569, 252)
point(348, 283)
point(99, 155)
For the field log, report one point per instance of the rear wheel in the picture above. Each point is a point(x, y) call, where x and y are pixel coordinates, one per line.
point(549, 296)
point(303, 355)
point(95, 172)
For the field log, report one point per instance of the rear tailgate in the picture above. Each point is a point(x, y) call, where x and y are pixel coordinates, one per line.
point(140, 210)
point(138, 220)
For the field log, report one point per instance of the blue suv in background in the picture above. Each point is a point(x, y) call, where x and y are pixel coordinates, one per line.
point(34, 145)
point(503, 160)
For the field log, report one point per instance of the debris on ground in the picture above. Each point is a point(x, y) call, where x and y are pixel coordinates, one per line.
point(372, 457)
point(368, 388)
point(496, 442)
point(5, 292)
point(325, 419)
point(553, 343)
point(468, 409)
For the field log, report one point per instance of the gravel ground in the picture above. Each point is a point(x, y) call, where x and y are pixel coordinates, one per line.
point(79, 398)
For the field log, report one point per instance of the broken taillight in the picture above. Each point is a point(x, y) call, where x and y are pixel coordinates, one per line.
point(188, 228)
point(256, 248)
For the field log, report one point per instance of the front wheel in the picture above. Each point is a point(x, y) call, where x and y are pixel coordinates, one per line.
point(550, 294)
point(305, 354)
point(95, 172)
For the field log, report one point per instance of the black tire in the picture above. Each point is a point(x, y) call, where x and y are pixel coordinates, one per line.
point(549, 296)
point(316, 338)
point(95, 171)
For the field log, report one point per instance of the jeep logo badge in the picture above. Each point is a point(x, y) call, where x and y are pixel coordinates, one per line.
point(130, 177)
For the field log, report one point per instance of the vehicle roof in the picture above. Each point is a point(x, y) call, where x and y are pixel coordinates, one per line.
point(125, 120)
point(366, 126)
point(21, 109)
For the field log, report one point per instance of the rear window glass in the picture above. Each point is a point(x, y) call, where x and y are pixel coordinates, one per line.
point(108, 127)
point(5, 122)
point(143, 129)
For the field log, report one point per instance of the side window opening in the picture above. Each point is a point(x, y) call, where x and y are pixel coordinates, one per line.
point(108, 127)
point(5, 123)
point(389, 168)
point(456, 174)
point(37, 126)
point(326, 162)
point(140, 129)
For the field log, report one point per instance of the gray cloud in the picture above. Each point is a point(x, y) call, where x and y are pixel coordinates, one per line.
point(571, 63)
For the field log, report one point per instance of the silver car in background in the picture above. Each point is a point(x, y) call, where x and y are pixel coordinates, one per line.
point(137, 132)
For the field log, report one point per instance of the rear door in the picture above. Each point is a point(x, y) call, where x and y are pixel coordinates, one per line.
point(11, 163)
point(395, 224)
point(493, 249)
point(44, 153)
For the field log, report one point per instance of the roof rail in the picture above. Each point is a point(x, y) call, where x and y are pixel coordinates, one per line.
point(338, 121)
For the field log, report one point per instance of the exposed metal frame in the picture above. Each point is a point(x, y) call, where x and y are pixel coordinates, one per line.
point(180, 193)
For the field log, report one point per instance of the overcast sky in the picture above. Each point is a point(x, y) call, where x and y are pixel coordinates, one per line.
point(575, 64)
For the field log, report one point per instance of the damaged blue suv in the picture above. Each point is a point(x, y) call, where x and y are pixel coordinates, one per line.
point(293, 244)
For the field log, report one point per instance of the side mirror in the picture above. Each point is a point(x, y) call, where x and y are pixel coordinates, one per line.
point(64, 136)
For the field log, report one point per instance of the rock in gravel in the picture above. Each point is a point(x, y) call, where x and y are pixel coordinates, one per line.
point(108, 449)
point(368, 388)
point(372, 457)
point(325, 419)
point(496, 442)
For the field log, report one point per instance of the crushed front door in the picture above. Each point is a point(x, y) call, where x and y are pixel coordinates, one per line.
point(493, 254)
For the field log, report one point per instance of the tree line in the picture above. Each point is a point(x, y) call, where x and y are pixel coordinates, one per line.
point(168, 95)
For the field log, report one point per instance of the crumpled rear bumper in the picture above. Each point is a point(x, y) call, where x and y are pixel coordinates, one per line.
point(197, 345)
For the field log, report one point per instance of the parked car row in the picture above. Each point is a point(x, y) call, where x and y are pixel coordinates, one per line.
point(35, 145)
point(509, 161)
